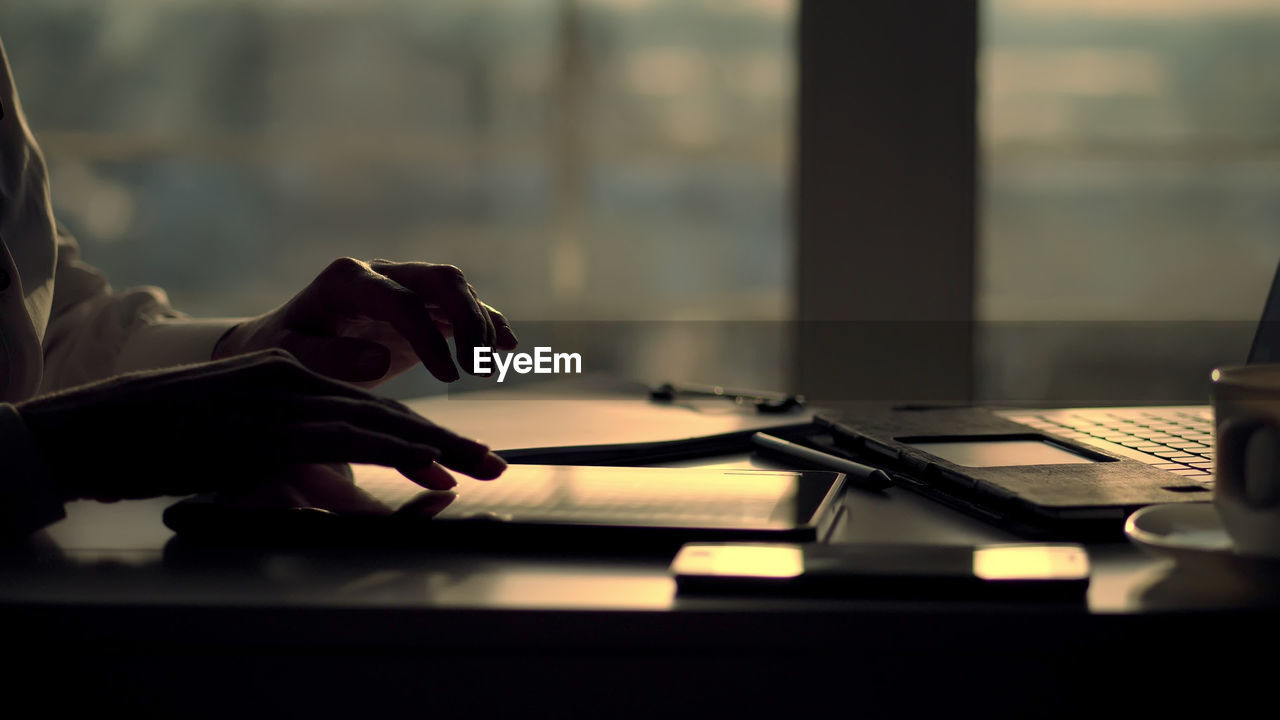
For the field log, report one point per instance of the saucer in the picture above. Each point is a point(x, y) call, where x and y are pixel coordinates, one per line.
point(1191, 533)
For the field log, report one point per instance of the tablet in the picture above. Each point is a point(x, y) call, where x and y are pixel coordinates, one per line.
point(603, 508)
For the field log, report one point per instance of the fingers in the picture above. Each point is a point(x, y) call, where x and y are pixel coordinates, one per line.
point(250, 411)
point(336, 441)
point(490, 334)
point(424, 302)
point(445, 286)
point(294, 415)
point(295, 395)
point(426, 505)
point(390, 418)
point(302, 398)
point(432, 477)
point(356, 287)
point(506, 339)
point(330, 486)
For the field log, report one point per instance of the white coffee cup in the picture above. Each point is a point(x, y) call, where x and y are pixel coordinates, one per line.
point(1246, 486)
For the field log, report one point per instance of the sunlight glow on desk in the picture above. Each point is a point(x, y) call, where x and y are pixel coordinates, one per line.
point(754, 560)
point(555, 588)
point(1013, 562)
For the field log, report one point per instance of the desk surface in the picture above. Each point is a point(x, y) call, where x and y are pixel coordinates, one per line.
point(101, 579)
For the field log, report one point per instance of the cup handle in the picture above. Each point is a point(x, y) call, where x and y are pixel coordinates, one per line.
point(1247, 469)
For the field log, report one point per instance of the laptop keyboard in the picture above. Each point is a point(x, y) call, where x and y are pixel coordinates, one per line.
point(1180, 441)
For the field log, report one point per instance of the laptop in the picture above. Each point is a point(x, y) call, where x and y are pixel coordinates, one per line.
point(1053, 472)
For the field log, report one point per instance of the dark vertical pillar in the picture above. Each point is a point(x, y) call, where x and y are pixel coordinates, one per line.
point(886, 197)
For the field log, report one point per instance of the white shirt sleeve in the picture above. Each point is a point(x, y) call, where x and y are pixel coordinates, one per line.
point(68, 326)
point(28, 500)
point(94, 332)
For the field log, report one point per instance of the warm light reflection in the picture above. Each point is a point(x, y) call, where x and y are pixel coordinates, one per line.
point(771, 561)
point(1029, 562)
point(560, 589)
point(621, 495)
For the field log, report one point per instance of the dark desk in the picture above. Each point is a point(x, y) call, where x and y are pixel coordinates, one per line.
point(98, 611)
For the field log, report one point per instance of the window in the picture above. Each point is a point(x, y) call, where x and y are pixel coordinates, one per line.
point(620, 164)
point(1130, 216)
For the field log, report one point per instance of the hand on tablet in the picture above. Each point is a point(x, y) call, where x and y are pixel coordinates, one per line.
point(327, 486)
point(230, 423)
point(368, 322)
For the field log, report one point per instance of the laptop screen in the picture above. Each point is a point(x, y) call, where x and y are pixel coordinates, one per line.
point(1266, 341)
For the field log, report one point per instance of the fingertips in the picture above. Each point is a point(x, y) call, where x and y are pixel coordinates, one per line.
point(507, 339)
point(489, 467)
point(503, 334)
point(436, 357)
point(477, 461)
point(432, 477)
point(342, 441)
point(382, 298)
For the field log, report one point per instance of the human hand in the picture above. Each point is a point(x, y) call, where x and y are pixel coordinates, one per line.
point(368, 322)
point(327, 486)
point(226, 424)
point(331, 487)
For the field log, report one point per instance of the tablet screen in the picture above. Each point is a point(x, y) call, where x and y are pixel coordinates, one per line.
point(634, 496)
point(682, 503)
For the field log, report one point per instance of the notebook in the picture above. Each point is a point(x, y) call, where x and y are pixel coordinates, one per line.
point(1053, 472)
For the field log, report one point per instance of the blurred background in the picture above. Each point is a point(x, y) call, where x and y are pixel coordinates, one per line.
point(1130, 202)
point(622, 167)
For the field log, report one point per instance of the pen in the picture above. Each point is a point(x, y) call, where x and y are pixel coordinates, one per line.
point(862, 475)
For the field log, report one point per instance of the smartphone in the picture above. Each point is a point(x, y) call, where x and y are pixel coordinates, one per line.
point(1047, 571)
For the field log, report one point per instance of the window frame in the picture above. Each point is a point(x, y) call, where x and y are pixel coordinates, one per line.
point(885, 205)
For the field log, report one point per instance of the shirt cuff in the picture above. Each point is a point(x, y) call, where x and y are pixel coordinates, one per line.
point(28, 500)
point(172, 341)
